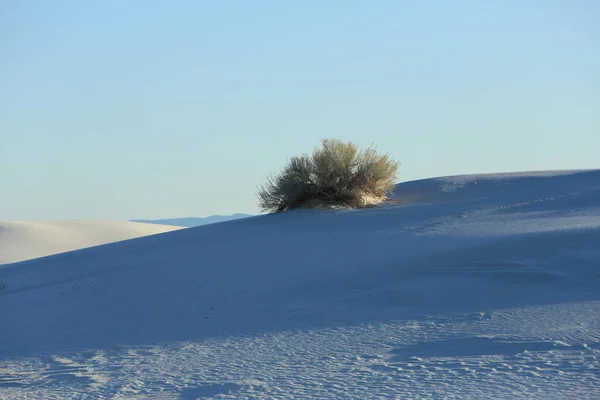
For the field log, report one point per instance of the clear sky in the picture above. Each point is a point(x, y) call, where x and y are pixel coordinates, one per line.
point(119, 109)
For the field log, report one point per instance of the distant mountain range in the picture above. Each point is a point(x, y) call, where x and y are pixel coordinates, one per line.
point(193, 221)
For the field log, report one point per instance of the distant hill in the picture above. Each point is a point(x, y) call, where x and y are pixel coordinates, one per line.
point(193, 221)
point(25, 240)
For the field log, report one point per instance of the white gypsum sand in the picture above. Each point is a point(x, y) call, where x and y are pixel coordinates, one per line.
point(480, 286)
point(24, 240)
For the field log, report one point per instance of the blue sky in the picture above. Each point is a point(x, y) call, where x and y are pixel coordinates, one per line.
point(154, 109)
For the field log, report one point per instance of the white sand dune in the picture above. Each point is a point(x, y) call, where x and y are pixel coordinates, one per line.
point(471, 287)
point(25, 240)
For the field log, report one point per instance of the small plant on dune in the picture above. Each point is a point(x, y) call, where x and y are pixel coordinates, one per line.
point(335, 174)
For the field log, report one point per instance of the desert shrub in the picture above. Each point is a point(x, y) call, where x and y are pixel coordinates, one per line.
point(335, 174)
